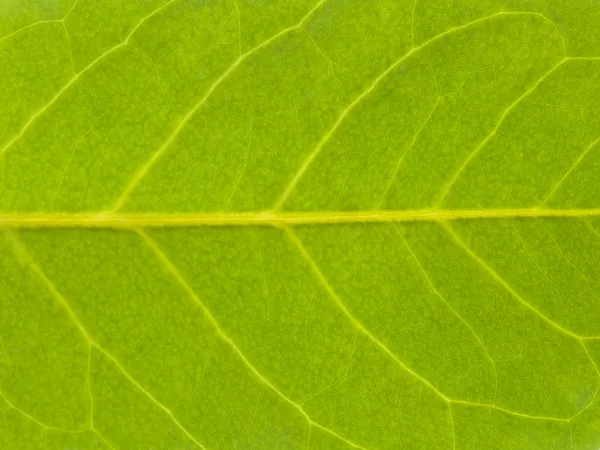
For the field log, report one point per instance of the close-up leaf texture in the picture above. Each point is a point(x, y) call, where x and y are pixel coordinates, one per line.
point(299, 224)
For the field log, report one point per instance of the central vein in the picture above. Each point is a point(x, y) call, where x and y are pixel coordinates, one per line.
point(266, 218)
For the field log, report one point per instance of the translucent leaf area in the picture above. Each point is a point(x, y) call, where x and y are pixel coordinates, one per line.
point(299, 224)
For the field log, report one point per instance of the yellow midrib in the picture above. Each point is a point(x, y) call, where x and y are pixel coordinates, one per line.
point(129, 220)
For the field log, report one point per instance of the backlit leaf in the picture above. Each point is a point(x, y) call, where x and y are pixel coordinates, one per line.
point(300, 224)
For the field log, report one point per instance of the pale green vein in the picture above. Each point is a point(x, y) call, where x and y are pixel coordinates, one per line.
point(103, 439)
point(562, 253)
point(568, 172)
point(512, 413)
point(75, 3)
point(458, 240)
point(412, 25)
point(323, 55)
point(20, 30)
point(355, 322)
point(448, 187)
point(562, 37)
point(407, 151)
point(69, 45)
point(522, 241)
point(33, 419)
point(45, 426)
point(22, 251)
point(597, 388)
point(361, 328)
point(78, 75)
point(241, 174)
point(158, 76)
point(443, 299)
point(239, 20)
point(147, 166)
point(525, 303)
point(68, 165)
point(317, 149)
point(185, 285)
point(591, 228)
point(40, 22)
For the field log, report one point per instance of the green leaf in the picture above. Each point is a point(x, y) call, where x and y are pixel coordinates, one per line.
point(300, 224)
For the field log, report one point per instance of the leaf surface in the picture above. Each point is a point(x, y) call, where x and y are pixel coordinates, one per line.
point(300, 224)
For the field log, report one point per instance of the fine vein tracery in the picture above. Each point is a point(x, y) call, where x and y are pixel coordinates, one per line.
point(449, 401)
point(446, 190)
point(317, 150)
point(566, 175)
point(146, 167)
point(157, 155)
point(274, 217)
point(41, 22)
point(496, 276)
point(77, 76)
point(441, 297)
point(19, 248)
point(181, 280)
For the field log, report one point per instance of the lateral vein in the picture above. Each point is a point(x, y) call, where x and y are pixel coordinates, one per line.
point(21, 250)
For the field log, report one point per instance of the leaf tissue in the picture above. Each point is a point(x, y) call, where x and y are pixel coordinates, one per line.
point(300, 224)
